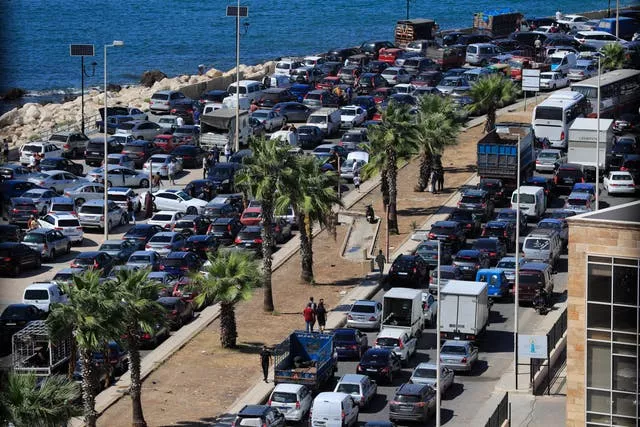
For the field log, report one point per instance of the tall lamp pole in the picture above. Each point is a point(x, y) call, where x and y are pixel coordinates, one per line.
point(85, 73)
point(598, 137)
point(516, 285)
point(83, 50)
point(237, 11)
point(116, 43)
point(438, 383)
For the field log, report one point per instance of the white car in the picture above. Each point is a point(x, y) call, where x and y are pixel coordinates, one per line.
point(619, 182)
point(168, 122)
point(394, 75)
point(405, 88)
point(83, 192)
point(426, 373)
point(553, 80)
point(121, 160)
point(575, 22)
point(293, 400)
point(46, 149)
point(269, 118)
point(352, 116)
point(399, 341)
point(57, 181)
point(177, 200)
point(159, 163)
point(68, 224)
point(166, 219)
point(360, 387)
point(120, 176)
point(598, 39)
point(119, 195)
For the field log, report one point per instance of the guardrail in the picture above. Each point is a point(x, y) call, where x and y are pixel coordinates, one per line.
point(554, 335)
point(500, 414)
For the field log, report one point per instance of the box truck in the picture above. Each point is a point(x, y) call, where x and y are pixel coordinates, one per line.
point(402, 309)
point(582, 143)
point(464, 310)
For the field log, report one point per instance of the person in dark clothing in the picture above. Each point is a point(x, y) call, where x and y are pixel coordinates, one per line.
point(148, 205)
point(321, 315)
point(216, 155)
point(5, 150)
point(265, 358)
point(132, 215)
point(440, 179)
point(207, 193)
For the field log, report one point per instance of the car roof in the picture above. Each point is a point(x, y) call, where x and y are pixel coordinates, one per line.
point(41, 285)
point(21, 200)
point(89, 254)
point(537, 266)
point(579, 195)
point(410, 388)
point(474, 192)
point(456, 343)
point(144, 253)
point(468, 252)
point(391, 333)
point(40, 231)
point(60, 216)
point(497, 223)
point(253, 410)
point(352, 378)
point(177, 255)
point(119, 190)
point(365, 302)
point(166, 233)
point(445, 224)
point(200, 237)
point(288, 388)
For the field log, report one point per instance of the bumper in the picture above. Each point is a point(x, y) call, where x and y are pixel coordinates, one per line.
point(348, 353)
point(545, 167)
point(558, 144)
point(407, 416)
point(622, 190)
point(362, 324)
point(456, 366)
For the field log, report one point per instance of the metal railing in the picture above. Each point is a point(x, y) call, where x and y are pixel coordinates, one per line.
point(553, 336)
point(500, 414)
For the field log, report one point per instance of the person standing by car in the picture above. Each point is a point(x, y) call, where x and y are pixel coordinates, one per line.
point(265, 358)
point(206, 164)
point(148, 205)
point(156, 181)
point(309, 317)
point(132, 215)
point(179, 122)
point(380, 260)
point(537, 46)
point(5, 150)
point(321, 315)
point(356, 180)
point(440, 179)
point(171, 171)
point(253, 107)
point(32, 224)
point(227, 151)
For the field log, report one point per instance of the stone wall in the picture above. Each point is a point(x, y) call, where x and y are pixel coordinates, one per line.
point(593, 238)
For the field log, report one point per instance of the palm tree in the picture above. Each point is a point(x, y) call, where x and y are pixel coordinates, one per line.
point(491, 93)
point(267, 172)
point(25, 402)
point(312, 197)
point(614, 56)
point(377, 163)
point(397, 136)
point(437, 127)
point(230, 278)
point(139, 313)
point(92, 317)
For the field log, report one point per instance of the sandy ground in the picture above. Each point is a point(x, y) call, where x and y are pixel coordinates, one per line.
point(200, 381)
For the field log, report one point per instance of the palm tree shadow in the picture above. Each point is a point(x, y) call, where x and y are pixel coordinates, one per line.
point(249, 347)
point(352, 281)
point(224, 420)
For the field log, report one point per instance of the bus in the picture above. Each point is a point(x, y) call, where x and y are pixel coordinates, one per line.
point(619, 92)
point(552, 118)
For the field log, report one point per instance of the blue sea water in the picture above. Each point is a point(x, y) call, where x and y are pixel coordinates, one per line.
point(175, 36)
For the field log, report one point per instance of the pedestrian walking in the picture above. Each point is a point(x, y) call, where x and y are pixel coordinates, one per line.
point(356, 180)
point(207, 193)
point(537, 44)
point(227, 151)
point(206, 163)
point(179, 121)
point(32, 163)
point(171, 172)
point(32, 224)
point(380, 260)
point(558, 15)
point(196, 116)
point(265, 358)
point(148, 205)
point(309, 317)
point(156, 181)
point(216, 155)
point(440, 179)
point(132, 215)
point(432, 181)
point(5, 150)
point(321, 315)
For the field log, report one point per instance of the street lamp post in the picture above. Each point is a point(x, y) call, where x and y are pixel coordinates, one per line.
point(85, 73)
point(598, 138)
point(238, 11)
point(438, 383)
point(116, 43)
point(83, 50)
point(516, 285)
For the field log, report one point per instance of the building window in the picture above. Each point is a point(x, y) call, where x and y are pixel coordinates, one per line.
point(613, 343)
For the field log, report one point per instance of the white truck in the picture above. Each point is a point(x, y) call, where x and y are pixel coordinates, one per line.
point(582, 143)
point(464, 310)
point(402, 309)
point(327, 119)
point(219, 127)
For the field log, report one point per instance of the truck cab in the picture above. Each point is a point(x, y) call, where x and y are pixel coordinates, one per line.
point(496, 279)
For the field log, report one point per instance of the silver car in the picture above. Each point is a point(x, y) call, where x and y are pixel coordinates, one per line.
point(458, 355)
point(83, 192)
point(364, 314)
point(426, 373)
point(91, 215)
point(164, 100)
point(48, 242)
point(145, 259)
point(117, 159)
point(119, 176)
point(548, 160)
point(165, 242)
point(41, 198)
point(140, 129)
point(57, 180)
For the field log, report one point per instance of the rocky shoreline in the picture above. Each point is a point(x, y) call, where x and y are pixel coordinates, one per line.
point(34, 121)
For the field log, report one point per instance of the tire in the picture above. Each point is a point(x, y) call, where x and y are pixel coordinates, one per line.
point(109, 184)
point(52, 255)
point(38, 262)
point(192, 210)
point(144, 183)
point(109, 226)
point(68, 249)
point(16, 270)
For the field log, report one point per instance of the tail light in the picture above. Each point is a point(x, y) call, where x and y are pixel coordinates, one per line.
point(102, 218)
point(372, 318)
point(505, 234)
point(168, 225)
point(161, 267)
point(468, 225)
point(415, 269)
point(342, 415)
point(492, 254)
point(147, 246)
point(353, 347)
point(6, 259)
point(46, 246)
point(623, 169)
point(432, 236)
point(174, 312)
point(477, 266)
point(420, 404)
point(167, 247)
point(484, 232)
point(34, 211)
point(562, 136)
point(184, 268)
point(385, 369)
point(464, 360)
point(350, 317)
point(269, 402)
point(537, 162)
point(15, 211)
point(401, 345)
point(582, 180)
point(95, 264)
point(237, 240)
point(555, 179)
point(146, 336)
point(66, 146)
point(257, 240)
point(452, 236)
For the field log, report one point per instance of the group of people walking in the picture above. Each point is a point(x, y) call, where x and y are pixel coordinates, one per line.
point(313, 313)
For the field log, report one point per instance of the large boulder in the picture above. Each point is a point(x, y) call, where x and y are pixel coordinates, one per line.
point(31, 112)
point(150, 77)
point(13, 93)
point(11, 117)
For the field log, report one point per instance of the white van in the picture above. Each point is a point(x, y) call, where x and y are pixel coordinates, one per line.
point(563, 61)
point(332, 409)
point(210, 107)
point(532, 200)
point(327, 119)
point(288, 137)
point(43, 294)
point(250, 90)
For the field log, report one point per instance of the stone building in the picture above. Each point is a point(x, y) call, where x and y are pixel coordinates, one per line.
point(603, 342)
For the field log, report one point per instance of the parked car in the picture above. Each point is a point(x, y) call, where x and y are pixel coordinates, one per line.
point(428, 251)
point(57, 180)
point(119, 176)
point(470, 261)
point(225, 229)
point(15, 172)
point(48, 242)
point(408, 270)
point(190, 225)
point(508, 265)
point(187, 134)
point(120, 250)
point(223, 175)
point(580, 202)
point(364, 314)
point(140, 129)
point(395, 75)
point(145, 259)
point(379, 363)
point(119, 159)
point(165, 100)
point(250, 238)
point(91, 215)
point(399, 341)
point(503, 231)
point(548, 160)
point(20, 210)
point(293, 400)
point(449, 232)
point(584, 69)
point(13, 319)
point(45, 149)
point(165, 242)
point(426, 373)
point(67, 223)
point(310, 136)
point(477, 201)
point(16, 257)
point(94, 260)
point(493, 247)
point(413, 402)
point(202, 245)
point(458, 355)
point(83, 192)
point(140, 234)
point(177, 200)
point(559, 225)
point(259, 415)
point(509, 215)
point(350, 343)
point(62, 164)
point(495, 189)
point(429, 309)
point(10, 233)
point(552, 80)
point(189, 155)
point(158, 164)
point(180, 263)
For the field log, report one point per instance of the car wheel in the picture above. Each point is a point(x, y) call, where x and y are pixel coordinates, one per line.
point(390, 378)
point(52, 254)
point(109, 227)
point(192, 210)
point(144, 183)
point(154, 208)
point(38, 262)
point(68, 249)
point(54, 190)
point(16, 270)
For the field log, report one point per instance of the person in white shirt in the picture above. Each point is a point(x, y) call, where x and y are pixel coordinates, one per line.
point(180, 122)
point(171, 171)
point(558, 15)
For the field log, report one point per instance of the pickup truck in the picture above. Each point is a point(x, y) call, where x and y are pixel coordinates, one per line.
point(307, 358)
point(35, 352)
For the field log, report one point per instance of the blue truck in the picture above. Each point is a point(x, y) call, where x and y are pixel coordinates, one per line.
point(496, 279)
point(307, 358)
point(498, 154)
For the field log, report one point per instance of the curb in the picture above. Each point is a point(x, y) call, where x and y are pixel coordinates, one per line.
point(343, 247)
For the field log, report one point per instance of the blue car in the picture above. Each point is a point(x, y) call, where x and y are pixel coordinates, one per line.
point(300, 90)
point(180, 263)
point(496, 279)
point(350, 343)
point(15, 188)
point(584, 187)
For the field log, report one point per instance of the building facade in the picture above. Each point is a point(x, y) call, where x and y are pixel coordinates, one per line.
point(603, 340)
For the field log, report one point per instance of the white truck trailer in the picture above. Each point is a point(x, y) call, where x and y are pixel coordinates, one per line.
point(402, 309)
point(464, 310)
point(582, 143)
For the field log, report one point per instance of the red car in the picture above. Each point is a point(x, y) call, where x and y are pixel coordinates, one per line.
point(328, 83)
point(166, 142)
point(382, 93)
point(251, 216)
point(389, 54)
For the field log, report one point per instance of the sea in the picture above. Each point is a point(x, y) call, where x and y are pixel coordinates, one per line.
point(177, 36)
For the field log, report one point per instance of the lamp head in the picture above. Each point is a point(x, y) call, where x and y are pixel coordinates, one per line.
point(118, 43)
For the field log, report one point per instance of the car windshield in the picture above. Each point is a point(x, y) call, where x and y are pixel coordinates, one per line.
point(471, 199)
point(282, 397)
point(466, 258)
point(316, 119)
point(32, 148)
point(530, 278)
point(173, 262)
point(184, 224)
point(118, 197)
point(442, 230)
point(452, 349)
point(577, 202)
point(140, 258)
point(550, 225)
point(425, 373)
point(134, 148)
point(110, 247)
point(36, 294)
point(221, 173)
point(539, 244)
point(547, 155)
point(251, 214)
point(348, 388)
point(34, 238)
point(160, 239)
point(524, 198)
point(158, 160)
point(84, 261)
point(344, 336)
point(126, 126)
point(68, 223)
point(363, 308)
point(506, 264)
point(407, 398)
point(162, 217)
point(485, 244)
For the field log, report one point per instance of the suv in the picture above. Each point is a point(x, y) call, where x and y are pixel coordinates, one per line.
point(542, 245)
point(94, 151)
point(411, 270)
point(481, 53)
point(164, 101)
point(472, 223)
point(262, 415)
point(413, 402)
point(91, 214)
point(20, 209)
point(72, 143)
point(398, 341)
point(491, 246)
point(568, 174)
point(470, 261)
point(449, 232)
point(477, 201)
point(140, 129)
point(225, 229)
point(503, 230)
point(140, 151)
point(45, 149)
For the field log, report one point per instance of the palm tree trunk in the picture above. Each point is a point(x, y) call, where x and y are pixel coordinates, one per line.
point(228, 329)
point(491, 120)
point(267, 254)
point(135, 389)
point(392, 175)
point(425, 171)
point(384, 188)
point(89, 387)
point(306, 249)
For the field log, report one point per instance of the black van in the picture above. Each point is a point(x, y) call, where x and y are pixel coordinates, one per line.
point(94, 153)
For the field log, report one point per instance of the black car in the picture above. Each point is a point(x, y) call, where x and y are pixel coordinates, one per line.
point(449, 232)
point(196, 187)
point(202, 245)
point(225, 229)
point(180, 263)
point(275, 95)
point(20, 209)
point(94, 153)
point(190, 225)
point(372, 48)
point(568, 174)
point(310, 137)
point(190, 154)
point(16, 257)
point(503, 230)
point(14, 318)
point(178, 312)
point(215, 210)
point(491, 246)
point(477, 201)
point(377, 66)
point(495, 189)
point(631, 164)
point(141, 233)
point(10, 233)
point(510, 215)
point(545, 183)
point(410, 270)
point(94, 260)
point(215, 95)
point(293, 111)
point(223, 175)
point(350, 343)
point(330, 68)
point(250, 238)
point(339, 55)
point(471, 222)
point(379, 363)
point(60, 163)
point(428, 251)
point(140, 151)
point(470, 261)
